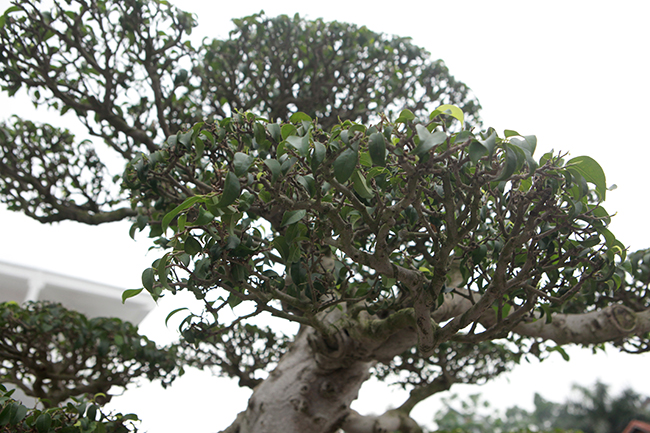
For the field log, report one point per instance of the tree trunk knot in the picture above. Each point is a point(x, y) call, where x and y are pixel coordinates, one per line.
point(624, 319)
point(345, 353)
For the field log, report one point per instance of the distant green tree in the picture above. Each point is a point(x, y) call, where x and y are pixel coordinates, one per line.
point(593, 411)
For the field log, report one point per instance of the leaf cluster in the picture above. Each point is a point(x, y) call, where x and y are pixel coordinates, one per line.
point(77, 416)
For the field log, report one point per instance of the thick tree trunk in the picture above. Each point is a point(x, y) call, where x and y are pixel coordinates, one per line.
point(311, 390)
point(301, 396)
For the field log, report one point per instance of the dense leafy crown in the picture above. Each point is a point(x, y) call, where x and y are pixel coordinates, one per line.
point(128, 71)
point(382, 223)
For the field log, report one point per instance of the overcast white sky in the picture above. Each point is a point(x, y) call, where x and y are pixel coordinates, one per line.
point(573, 73)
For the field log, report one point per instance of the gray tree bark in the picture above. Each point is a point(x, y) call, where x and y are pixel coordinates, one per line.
point(313, 385)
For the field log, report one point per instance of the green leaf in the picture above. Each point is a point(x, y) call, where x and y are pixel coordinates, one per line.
point(377, 149)
point(169, 316)
point(490, 142)
point(43, 422)
point(476, 151)
point(19, 414)
point(147, 279)
point(292, 217)
point(287, 130)
point(308, 183)
point(5, 415)
point(299, 117)
point(301, 144)
point(405, 116)
point(189, 202)
point(205, 217)
point(317, 155)
point(3, 17)
point(561, 351)
point(345, 164)
point(361, 186)
point(274, 130)
point(131, 292)
point(231, 190)
point(451, 110)
point(427, 140)
point(192, 246)
point(91, 413)
point(527, 142)
point(591, 171)
point(275, 168)
point(614, 246)
point(161, 269)
point(242, 162)
point(510, 165)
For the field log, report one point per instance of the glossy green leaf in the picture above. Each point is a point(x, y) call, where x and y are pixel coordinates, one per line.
point(476, 151)
point(205, 217)
point(427, 140)
point(275, 131)
point(405, 116)
point(345, 164)
point(292, 217)
point(189, 202)
point(490, 142)
point(614, 246)
point(318, 155)
point(43, 422)
point(450, 110)
point(308, 183)
point(509, 166)
point(299, 117)
point(5, 415)
point(361, 186)
point(301, 144)
point(231, 190)
point(19, 414)
point(287, 130)
point(148, 279)
point(161, 270)
point(591, 171)
point(192, 246)
point(169, 316)
point(132, 292)
point(377, 149)
point(91, 413)
point(275, 168)
point(241, 163)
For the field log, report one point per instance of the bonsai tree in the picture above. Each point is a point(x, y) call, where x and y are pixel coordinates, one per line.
point(411, 246)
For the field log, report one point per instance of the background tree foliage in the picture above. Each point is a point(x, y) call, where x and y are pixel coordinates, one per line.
point(52, 353)
point(325, 175)
point(594, 410)
point(129, 73)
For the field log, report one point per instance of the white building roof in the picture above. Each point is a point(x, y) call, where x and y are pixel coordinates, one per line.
point(20, 284)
